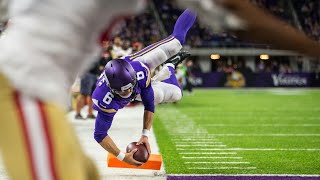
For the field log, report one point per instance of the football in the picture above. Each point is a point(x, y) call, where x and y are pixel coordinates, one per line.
point(141, 155)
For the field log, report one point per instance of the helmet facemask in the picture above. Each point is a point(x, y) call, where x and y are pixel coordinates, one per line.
point(125, 91)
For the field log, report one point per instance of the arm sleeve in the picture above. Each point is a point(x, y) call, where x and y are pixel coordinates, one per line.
point(102, 126)
point(147, 97)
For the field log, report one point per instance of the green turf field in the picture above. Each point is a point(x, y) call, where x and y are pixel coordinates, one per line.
point(270, 131)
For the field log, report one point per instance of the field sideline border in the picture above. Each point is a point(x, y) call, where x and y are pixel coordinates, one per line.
point(253, 175)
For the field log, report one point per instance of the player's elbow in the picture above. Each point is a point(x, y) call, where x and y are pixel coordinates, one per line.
point(99, 136)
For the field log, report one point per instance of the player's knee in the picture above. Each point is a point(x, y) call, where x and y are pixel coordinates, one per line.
point(172, 47)
point(176, 95)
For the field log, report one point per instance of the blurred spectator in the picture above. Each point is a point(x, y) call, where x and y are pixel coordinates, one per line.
point(246, 72)
point(300, 64)
point(127, 49)
point(189, 76)
point(261, 66)
point(202, 36)
point(235, 79)
point(117, 50)
point(87, 85)
point(309, 16)
point(181, 74)
point(3, 26)
point(285, 68)
point(137, 46)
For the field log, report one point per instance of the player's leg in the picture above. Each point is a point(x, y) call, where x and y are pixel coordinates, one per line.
point(158, 53)
point(92, 85)
point(175, 60)
point(167, 90)
point(84, 92)
point(37, 141)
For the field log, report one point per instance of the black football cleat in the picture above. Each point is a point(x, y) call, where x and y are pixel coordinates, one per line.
point(91, 116)
point(178, 58)
point(78, 117)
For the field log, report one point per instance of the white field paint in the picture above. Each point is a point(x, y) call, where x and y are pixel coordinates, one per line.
point(195, 139)
point(255, 117)
point(216, 162)
point(188, 135)
point(224, 168)
point(212, 153)
point(200, 145)
point(209, 157)
point(182, 143)
point(249, 149)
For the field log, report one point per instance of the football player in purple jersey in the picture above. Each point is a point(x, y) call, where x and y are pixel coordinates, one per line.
point(129, 78)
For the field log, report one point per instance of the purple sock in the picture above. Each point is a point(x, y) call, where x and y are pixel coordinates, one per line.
point(183, 24)
point(172, 79)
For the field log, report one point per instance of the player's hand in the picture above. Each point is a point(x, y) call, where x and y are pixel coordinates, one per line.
point(129, 159)
point(144, 140)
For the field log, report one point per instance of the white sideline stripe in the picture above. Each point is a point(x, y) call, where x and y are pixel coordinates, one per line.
point(209, 157)
point(237, 168)
point(207, 153)
point(200, 145)
point(217, 162)
point(253, 117)
point(275, 135)
point(262, 125)
point(253, 175)
point(247, 149)
point(37, 136)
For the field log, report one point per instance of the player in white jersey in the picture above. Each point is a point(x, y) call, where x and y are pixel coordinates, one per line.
point(47, 43)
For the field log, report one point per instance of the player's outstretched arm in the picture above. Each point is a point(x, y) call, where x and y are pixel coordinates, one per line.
point(147, 122)
point(108, 144)
point(102, 125)
point(262, 27)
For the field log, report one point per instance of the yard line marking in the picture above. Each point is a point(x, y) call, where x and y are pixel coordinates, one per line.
point(254, 117)
point(249, 149)
point(209, 157)
point(261, 125)
point(179, 133)
point(217, 162)
point(236, 168)
point(181, 143)
point(200, 145)
point(225, 153)
point(193, 139)
point(274, 135)
point(182, 134)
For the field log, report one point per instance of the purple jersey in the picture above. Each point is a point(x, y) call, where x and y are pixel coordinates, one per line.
point(107, 104)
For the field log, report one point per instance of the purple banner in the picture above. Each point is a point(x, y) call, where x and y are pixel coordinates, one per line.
point(283, 80)
point(208, 79)
point(237, 79)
